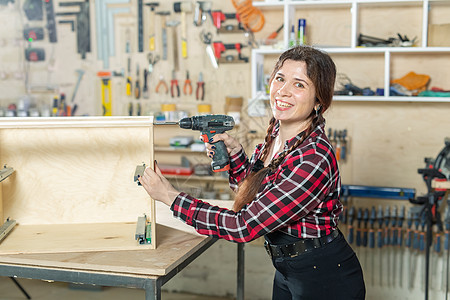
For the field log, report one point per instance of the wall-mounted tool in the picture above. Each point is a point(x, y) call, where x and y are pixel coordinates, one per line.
point(220, 17)
point(210, 125)
point(140, 31)
point(145, 87)
point(201, 10)
point(206, 38)
point(106, 92)
point(163, 15)
point(200, 92)
point(372, 219)
point(250, 16)
point(77, 85)
point(137, 87)
point(51, 24)
point(187, 88)
point(33, 33)
point(34, 54)
point(220, 48)
point(33, 10)
point(174, 87)
point(183, 8)
point(176, 61)
point(151, 28)
point(105, 35)
point(380, 242)
point(162, 84)
point(351, 219)
point(70, 22)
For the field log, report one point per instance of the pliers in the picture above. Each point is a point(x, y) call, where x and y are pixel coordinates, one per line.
point(173, 85)
point(161, 83)
point(200, 92)
point(187, 88)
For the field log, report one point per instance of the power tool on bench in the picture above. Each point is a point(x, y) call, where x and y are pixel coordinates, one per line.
point(209, 125)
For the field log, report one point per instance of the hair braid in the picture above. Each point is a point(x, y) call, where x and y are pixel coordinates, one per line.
point(250, 186)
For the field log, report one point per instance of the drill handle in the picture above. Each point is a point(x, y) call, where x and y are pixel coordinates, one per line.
point(220, 161)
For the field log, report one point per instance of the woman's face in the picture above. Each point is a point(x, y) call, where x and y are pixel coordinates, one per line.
point(292, 93)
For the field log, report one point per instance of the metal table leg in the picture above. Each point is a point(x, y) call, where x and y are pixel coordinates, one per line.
point(240, 271)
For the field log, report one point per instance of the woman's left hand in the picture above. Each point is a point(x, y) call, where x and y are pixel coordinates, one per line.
point(157, 186)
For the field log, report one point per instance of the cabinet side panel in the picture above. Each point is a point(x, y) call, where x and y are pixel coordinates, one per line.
point(74, 175)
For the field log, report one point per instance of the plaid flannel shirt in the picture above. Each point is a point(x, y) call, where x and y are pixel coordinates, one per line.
point(300, 198)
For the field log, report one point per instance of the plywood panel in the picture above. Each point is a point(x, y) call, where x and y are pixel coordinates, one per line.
point(174, 247)
point(76, 171)
point(71, 238)
point(74, 175)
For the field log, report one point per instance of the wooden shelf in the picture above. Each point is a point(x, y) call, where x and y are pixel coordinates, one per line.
point(198, 178)
point(176, 150)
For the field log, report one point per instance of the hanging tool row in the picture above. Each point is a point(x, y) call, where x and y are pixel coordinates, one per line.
point(391, 243)
point(338, 139)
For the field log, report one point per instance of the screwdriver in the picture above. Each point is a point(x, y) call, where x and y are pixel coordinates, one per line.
point(137, 88)
point(373, 216)
point(365, 231)
point(400, 219)
point(358, 230)
point(351, 215)
point(380, 240)
point(274, 34)
point(387, 216)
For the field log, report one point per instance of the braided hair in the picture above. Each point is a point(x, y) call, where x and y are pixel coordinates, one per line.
point(321, 70)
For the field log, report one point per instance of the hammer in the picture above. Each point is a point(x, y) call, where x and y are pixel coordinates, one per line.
point(183, 8)
point(174, 24)
point(164, 15)
point(152, 6)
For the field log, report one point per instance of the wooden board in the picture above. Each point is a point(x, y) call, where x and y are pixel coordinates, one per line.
point(174, 247)
point(76, 170)
point(71, 238)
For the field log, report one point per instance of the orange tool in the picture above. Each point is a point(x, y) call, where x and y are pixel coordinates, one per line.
point(161, 83)
point(187, 88)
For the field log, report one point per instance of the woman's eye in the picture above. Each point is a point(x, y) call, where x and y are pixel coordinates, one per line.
point(299, 84)
point(279, 79)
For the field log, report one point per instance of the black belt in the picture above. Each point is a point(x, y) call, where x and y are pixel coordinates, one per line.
point(297, 248)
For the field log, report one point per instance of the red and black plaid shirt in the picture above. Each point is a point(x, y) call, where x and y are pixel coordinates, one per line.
point(301, 198)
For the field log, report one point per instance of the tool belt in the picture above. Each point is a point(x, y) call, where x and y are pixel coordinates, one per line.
point(300, 247)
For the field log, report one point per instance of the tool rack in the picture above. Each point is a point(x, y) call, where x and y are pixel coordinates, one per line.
point(72, 189)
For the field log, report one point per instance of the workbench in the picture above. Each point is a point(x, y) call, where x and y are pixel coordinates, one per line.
point(144, 269)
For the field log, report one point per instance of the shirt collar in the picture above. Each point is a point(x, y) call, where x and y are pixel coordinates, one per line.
point(289, 143)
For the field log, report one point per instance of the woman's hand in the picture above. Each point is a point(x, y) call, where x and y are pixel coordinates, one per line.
point(233, 146)
point(157, 186)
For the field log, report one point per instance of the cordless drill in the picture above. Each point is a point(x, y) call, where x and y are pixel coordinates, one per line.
point(209, 125)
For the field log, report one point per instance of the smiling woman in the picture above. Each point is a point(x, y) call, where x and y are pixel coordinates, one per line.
point(288, 191)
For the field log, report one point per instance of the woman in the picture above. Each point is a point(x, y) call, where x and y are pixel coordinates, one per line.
point(288, 191)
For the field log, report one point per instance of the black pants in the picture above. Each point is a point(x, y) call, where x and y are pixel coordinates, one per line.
point(331, 272)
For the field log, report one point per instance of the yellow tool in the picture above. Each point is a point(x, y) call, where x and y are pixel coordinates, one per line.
point(152, 6)
point(183, 8)
point(106, 93)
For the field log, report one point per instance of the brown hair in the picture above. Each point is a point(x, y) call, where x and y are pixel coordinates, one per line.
point(321, 70)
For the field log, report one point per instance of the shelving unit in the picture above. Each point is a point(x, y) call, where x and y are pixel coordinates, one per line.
point(290, 8)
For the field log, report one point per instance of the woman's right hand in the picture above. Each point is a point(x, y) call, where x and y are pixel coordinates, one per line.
point(233, 146)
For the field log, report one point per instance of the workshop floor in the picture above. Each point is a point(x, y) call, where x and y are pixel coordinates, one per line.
point(41, 290)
